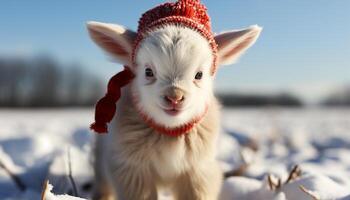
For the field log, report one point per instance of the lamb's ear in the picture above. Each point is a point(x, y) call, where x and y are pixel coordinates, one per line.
point(232, 44)
point(116, 40)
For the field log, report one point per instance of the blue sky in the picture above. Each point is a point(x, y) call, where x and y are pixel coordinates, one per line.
point(304, 47)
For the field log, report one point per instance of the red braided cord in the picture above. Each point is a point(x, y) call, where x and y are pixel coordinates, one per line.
point(106, 106)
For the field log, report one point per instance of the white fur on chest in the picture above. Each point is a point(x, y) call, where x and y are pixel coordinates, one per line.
point(171, 159)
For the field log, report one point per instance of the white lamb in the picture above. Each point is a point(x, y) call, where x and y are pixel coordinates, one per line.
point(167, 121)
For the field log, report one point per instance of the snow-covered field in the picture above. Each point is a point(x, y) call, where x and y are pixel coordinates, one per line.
point(262, 145)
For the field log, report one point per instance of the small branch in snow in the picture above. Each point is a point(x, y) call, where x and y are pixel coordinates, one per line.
point(240, 170)
point(276, 183)
point(311, 193)
point(294, 174)
point(43, 192)
point(70, 176)
point(270, 182)
point(236, 172)
point(253, 145)
point(14, 177)
point(273, 182)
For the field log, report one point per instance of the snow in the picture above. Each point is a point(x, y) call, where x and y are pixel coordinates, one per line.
point(48, 195)
point(55, 145)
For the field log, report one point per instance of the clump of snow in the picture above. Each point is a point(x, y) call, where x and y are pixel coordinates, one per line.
point(48, 195)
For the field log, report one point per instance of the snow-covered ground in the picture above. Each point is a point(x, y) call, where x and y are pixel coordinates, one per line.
point(262, 145)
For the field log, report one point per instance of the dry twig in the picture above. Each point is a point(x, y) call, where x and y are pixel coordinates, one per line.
point(277, 183)
point(294, 174)
point(236, 172)
point(14, 177)
point(43, 192)
point(70, 176)
point(308, 192)
point(240, 170)
point(273, 182)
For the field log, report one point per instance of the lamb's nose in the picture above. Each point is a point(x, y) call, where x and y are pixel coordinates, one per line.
point(174, 99)
point(174, 96)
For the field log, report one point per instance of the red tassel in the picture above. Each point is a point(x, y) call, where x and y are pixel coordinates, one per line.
point(106, 106)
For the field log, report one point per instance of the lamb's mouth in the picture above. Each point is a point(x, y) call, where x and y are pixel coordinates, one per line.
point(172, 111)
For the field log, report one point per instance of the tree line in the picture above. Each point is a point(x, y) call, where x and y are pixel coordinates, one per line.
point(43, 82)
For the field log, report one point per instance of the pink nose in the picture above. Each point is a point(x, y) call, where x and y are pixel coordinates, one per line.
point(176, 99)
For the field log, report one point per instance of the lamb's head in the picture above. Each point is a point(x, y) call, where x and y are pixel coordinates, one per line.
point(173, 75)
point(174, 56)
point(173, 66)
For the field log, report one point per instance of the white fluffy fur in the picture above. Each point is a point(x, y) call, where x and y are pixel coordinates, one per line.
point(133, 161)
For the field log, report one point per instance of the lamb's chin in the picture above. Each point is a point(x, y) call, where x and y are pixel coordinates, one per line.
point(170, 118)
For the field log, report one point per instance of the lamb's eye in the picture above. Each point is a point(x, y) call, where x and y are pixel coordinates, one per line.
point(199, 75)
point(149, 72)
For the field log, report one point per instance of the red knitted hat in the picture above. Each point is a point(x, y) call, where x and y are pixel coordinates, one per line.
point(188, 13)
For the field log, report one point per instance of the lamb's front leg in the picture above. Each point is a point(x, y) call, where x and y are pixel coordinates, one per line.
point(201, 183)
point(134, 183)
